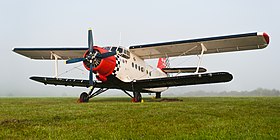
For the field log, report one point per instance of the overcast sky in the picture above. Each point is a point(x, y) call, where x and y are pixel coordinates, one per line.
point(65, 23)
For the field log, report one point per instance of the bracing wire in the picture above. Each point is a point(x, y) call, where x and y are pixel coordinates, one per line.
point(69, 70)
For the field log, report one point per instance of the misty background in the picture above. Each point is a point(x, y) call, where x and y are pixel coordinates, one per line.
point(33, 23)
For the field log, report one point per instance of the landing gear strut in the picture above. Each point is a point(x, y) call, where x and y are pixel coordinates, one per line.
point(84, 97)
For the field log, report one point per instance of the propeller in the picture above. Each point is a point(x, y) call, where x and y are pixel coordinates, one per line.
point(90, 75)
point(91, 56)
point(75, 60)
point(90, 47)
point(105, 55)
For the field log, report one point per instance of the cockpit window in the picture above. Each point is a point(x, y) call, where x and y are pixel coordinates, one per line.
point(107, 48)
point(122, 51)
point(113, 49)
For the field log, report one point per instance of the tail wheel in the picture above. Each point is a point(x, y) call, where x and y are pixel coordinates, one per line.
point(158, 95)
point(84, 97)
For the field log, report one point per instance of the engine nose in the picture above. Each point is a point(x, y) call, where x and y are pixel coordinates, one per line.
point(102, 67)
point(95, 61)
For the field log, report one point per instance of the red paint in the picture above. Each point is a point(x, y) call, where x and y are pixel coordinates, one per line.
point(266, 37)
point(106, 66)
point(161, 63)
point(101, 78)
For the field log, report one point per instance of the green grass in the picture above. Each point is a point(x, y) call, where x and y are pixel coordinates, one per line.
point(118, 118)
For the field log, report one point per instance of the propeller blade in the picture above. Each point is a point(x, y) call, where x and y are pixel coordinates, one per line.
point(90, 41)
point(105, 55)
point(90, 75)
point(75, 60)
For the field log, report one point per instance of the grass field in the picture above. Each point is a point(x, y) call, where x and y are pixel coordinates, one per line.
point(118, 118)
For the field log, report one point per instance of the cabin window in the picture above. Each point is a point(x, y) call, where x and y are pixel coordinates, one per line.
point(132, 64)
point(135, 66)
point(139, 68)
point(150, 73)
point(142, 69)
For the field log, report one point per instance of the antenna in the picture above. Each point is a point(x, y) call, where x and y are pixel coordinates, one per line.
point(120, 39)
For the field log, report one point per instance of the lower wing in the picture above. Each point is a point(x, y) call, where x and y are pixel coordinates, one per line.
point(141, 85)
point(194, 79)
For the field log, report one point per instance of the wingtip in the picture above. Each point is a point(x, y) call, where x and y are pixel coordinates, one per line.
point(266, 37)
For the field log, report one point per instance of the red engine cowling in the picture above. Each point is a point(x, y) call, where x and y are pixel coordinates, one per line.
point(102, 67)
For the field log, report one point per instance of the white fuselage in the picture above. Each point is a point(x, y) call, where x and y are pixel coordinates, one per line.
point(134, 68)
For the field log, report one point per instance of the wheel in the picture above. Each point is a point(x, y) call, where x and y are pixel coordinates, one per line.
point(158, 95)
point(84, 97)
point(137, 97)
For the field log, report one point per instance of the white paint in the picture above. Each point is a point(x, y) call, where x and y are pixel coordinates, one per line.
point(128, 71)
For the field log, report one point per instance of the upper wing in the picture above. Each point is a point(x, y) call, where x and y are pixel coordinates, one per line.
point(46, 53)
point(219, 44)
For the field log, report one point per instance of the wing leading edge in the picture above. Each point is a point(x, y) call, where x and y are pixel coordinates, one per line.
point(219, 44)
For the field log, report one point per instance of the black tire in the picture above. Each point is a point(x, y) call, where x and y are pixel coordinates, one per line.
point(137, 97)
point(84, 97)
point(158, 95)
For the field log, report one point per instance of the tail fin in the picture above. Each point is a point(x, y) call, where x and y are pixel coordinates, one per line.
point(163, 63)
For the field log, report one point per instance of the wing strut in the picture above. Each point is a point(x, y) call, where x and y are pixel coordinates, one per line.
point(56, 57)
point(203, 49)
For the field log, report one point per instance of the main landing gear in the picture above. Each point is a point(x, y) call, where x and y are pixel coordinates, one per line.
point(136, 96)
point(84, 97)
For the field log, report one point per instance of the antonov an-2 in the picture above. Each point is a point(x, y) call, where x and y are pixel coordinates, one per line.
point(126, 70)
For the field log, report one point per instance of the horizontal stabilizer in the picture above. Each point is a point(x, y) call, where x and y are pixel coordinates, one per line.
point(183, 70)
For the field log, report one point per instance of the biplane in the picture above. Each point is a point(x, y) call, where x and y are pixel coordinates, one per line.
point(116, 67)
